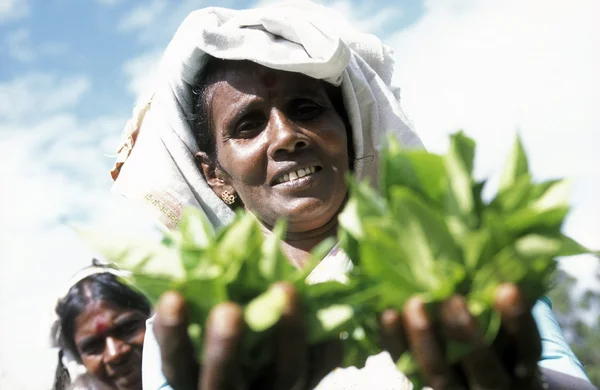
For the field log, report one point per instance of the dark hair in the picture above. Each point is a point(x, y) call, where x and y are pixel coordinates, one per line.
point(200, 118)
point(98, 287)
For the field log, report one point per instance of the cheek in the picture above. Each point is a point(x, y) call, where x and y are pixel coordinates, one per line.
point(94, 365)
point(137, 341)
point(336, 144)
point(245, 161)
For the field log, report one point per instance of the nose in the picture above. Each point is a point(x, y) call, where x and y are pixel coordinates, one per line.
point(115, 351)
point(285, 136)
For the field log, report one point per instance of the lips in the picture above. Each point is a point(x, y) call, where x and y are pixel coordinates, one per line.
point(290, 175)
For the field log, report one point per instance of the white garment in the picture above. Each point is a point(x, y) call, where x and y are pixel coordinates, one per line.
point(158, 166)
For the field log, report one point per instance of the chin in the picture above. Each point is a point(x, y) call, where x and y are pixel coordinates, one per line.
point(311, 216)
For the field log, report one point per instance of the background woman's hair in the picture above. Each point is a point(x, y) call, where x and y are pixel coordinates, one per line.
point(201, 121)
point(98, 287)
point(61, 375)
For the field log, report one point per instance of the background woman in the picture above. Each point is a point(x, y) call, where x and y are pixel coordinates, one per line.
point(101, 326)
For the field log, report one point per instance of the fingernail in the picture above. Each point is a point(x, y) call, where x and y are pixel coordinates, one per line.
point(171, 309)
point(416, 314)
point(226, 319)
point(508, 297)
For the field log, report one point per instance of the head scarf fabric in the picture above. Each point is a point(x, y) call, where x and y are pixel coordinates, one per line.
point(156, 160)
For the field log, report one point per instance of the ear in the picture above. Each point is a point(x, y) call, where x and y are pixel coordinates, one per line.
point(213, 175)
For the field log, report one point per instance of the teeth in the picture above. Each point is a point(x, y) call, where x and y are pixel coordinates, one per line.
point(297, 174)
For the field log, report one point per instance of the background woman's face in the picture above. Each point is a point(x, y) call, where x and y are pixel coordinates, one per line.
point(109, 340)
point(280, 143)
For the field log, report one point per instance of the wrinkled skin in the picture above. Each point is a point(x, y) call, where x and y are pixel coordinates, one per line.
point(109, 341)
point(281, 127)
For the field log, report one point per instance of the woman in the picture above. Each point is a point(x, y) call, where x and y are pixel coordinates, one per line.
point(101, 327)
point(295, 101)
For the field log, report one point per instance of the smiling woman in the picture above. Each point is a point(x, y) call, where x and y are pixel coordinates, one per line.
point(101, 326)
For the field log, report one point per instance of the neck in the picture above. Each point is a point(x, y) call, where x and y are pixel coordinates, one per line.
point(297, 245)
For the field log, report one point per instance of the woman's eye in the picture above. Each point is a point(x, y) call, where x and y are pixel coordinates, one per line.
point(93, 348)
point(127, 330)
point(306, 111)
point(249, 125)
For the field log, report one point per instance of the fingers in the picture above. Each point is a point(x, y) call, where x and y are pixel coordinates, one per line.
point(521, 332)
point(426, 347)
point(177, 353)
point(482, 367)
point(392, 334)
point(291, 352)
point(221, 366)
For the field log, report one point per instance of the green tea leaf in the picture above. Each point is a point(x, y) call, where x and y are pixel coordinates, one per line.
point(195, 228)
point(273, 264)
point(513, 197)
point(327, 321)
point(364, 201)
point(265, 310)
point(418, 170)
point(459, 167)
point(135, 253)
point(516, 166)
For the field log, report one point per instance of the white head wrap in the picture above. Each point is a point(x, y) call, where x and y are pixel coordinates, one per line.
point(295, 36)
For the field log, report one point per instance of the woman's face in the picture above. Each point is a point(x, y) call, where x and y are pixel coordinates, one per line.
point(109, 340)
point(280, 144)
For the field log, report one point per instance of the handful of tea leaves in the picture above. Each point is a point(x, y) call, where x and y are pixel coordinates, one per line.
point(428, 232)
point(239, 264)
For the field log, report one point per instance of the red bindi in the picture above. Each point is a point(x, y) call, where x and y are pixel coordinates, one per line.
point(101, 325)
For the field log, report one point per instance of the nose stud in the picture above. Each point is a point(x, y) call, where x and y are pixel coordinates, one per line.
point(228, 197)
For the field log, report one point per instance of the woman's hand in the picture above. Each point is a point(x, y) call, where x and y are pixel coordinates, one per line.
point(294, 366)
point(511, 363)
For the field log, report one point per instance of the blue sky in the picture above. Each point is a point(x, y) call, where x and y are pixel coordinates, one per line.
point(71, 70)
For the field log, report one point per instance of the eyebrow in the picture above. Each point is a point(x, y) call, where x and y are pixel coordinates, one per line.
point(121, 320)
point(321, 96)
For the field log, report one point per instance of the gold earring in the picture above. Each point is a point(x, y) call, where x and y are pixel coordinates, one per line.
point(228, 197)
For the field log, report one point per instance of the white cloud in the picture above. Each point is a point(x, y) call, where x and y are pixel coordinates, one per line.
point(141, 72)
point(366, 16)
point(491, 67)
point(109, 2)
point(13, 9)
point(155, 22)
point(143, 15)
point(36, 94)
point(20, 46)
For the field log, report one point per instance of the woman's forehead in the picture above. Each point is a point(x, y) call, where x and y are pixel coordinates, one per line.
point(98, 317)
point(246, 76)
